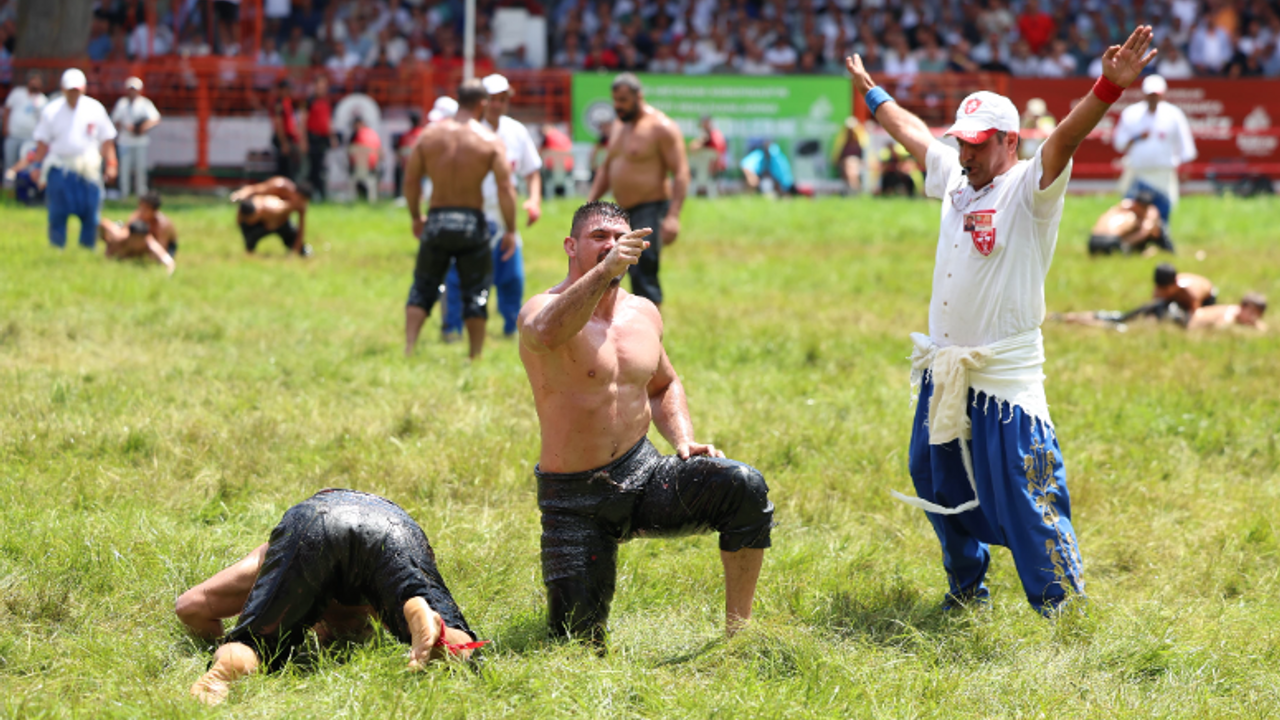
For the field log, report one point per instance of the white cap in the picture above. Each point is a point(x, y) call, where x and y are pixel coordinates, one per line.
point(74, 79)
point(495, 84)
point(133, 83)
point(445, 107)
point(982, 115)
point(1154, 85)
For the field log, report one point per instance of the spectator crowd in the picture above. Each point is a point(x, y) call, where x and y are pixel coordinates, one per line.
point(1029, 38)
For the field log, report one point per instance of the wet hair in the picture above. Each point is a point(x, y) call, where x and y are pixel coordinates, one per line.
point(1257, 300)
point(629, 81)
point(247, 207)
point(151, 199)
point(138, 227)
point(1166, 274)
point(597, 211)
point(471, 93)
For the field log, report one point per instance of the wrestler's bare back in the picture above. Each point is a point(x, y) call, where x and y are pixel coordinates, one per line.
point(592, 393)
point(456, 155)
point(638, 173)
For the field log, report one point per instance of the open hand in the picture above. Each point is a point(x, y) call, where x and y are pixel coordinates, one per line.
point(626, 251)
point(1122, 64)
point(862, 81)
point(692, 449)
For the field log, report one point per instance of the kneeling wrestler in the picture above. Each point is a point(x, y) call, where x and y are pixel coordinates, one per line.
point(334, 560)
point(593, 353)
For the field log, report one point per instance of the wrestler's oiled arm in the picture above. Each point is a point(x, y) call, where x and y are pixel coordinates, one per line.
point(413, 171)
point(556, 322)
point(669, 405)
point(161, 255)
point(673, 156)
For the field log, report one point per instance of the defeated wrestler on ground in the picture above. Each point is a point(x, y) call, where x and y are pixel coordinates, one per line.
point(1131, 226)
point(456, 154)
point(1176, 297)
point(594, 357)
point(335, 560)
point(146, 233)
point(1248, 314)
point(266, 208)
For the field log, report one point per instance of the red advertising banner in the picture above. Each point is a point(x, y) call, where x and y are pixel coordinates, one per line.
point(1231, 120)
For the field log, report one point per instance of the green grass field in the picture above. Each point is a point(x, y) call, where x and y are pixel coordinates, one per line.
point(155, 429)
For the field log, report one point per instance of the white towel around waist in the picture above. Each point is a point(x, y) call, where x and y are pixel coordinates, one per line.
point(87, 165)
point(1008, 371)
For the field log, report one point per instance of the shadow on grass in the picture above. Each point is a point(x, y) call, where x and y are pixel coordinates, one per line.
point(888, 615)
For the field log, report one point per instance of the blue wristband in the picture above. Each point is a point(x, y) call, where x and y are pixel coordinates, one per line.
point(876, 97)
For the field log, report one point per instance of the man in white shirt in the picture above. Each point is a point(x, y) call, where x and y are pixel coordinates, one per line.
point(21, 113)
point(73, 137)
point(135, 117)
point(1155, 138)
point(984, 455)
point(526, 162)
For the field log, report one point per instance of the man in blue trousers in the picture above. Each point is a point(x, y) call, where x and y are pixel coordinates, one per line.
point(74, 137)
point(508, 272)
point(984, 455)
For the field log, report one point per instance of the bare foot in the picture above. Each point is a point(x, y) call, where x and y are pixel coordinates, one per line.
point(424, 626)
point(211, 688)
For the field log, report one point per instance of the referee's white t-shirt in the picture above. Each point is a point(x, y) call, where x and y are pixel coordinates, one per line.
point(995, 245)
point(522, 155)
point(71, 132)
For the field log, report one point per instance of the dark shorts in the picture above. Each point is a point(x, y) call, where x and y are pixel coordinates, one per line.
point(1104, 244)
point(460, 235)
point(340, 546)
point(644, 274)
point(254, 233)
point(641, 494)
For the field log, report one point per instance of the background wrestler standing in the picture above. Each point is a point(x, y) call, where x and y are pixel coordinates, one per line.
point(457, 154)
point(645, 146)
point(593, 353)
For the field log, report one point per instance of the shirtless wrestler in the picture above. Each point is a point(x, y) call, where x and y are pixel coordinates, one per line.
point(456, 154)
point(266, 209)
point(1248, 314)
point(147, 233)
point(1177, 297)
point(645, 146)
point(334, 560)
point(1131, 226)
point(594, 357)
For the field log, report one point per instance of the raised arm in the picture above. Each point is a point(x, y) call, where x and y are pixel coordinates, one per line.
point(901, 124)
point(675, 159)
point(545, 326)
point(1121, 65)
point(670, 409)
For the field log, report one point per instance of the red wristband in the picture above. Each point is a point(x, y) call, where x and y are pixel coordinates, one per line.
point(1107, 91)
point(456, 649)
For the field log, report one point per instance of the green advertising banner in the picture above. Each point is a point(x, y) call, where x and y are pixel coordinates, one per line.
point(801, 113)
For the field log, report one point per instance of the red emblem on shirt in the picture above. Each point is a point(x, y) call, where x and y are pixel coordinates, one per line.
point(971, 106)
point(88, 129)
point(981, 226)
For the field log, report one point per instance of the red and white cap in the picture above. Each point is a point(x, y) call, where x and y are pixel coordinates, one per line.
point(982, 115)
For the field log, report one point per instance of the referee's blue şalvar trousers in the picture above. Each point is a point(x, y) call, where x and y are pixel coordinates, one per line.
point(67, 194)
point(1022, 495)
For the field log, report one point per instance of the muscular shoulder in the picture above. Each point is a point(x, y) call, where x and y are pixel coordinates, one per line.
point(645, 309)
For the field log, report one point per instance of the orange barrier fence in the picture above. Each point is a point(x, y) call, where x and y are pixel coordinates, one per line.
point(1231, 119)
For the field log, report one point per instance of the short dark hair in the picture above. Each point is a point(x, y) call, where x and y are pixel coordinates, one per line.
point(248, 206)
point(471, 93)
point(597, 211)
point(138, 227)
point(151, 199)
point(629, 81)
point(1255, 299)
point(1166, 274)
point(415, 117)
